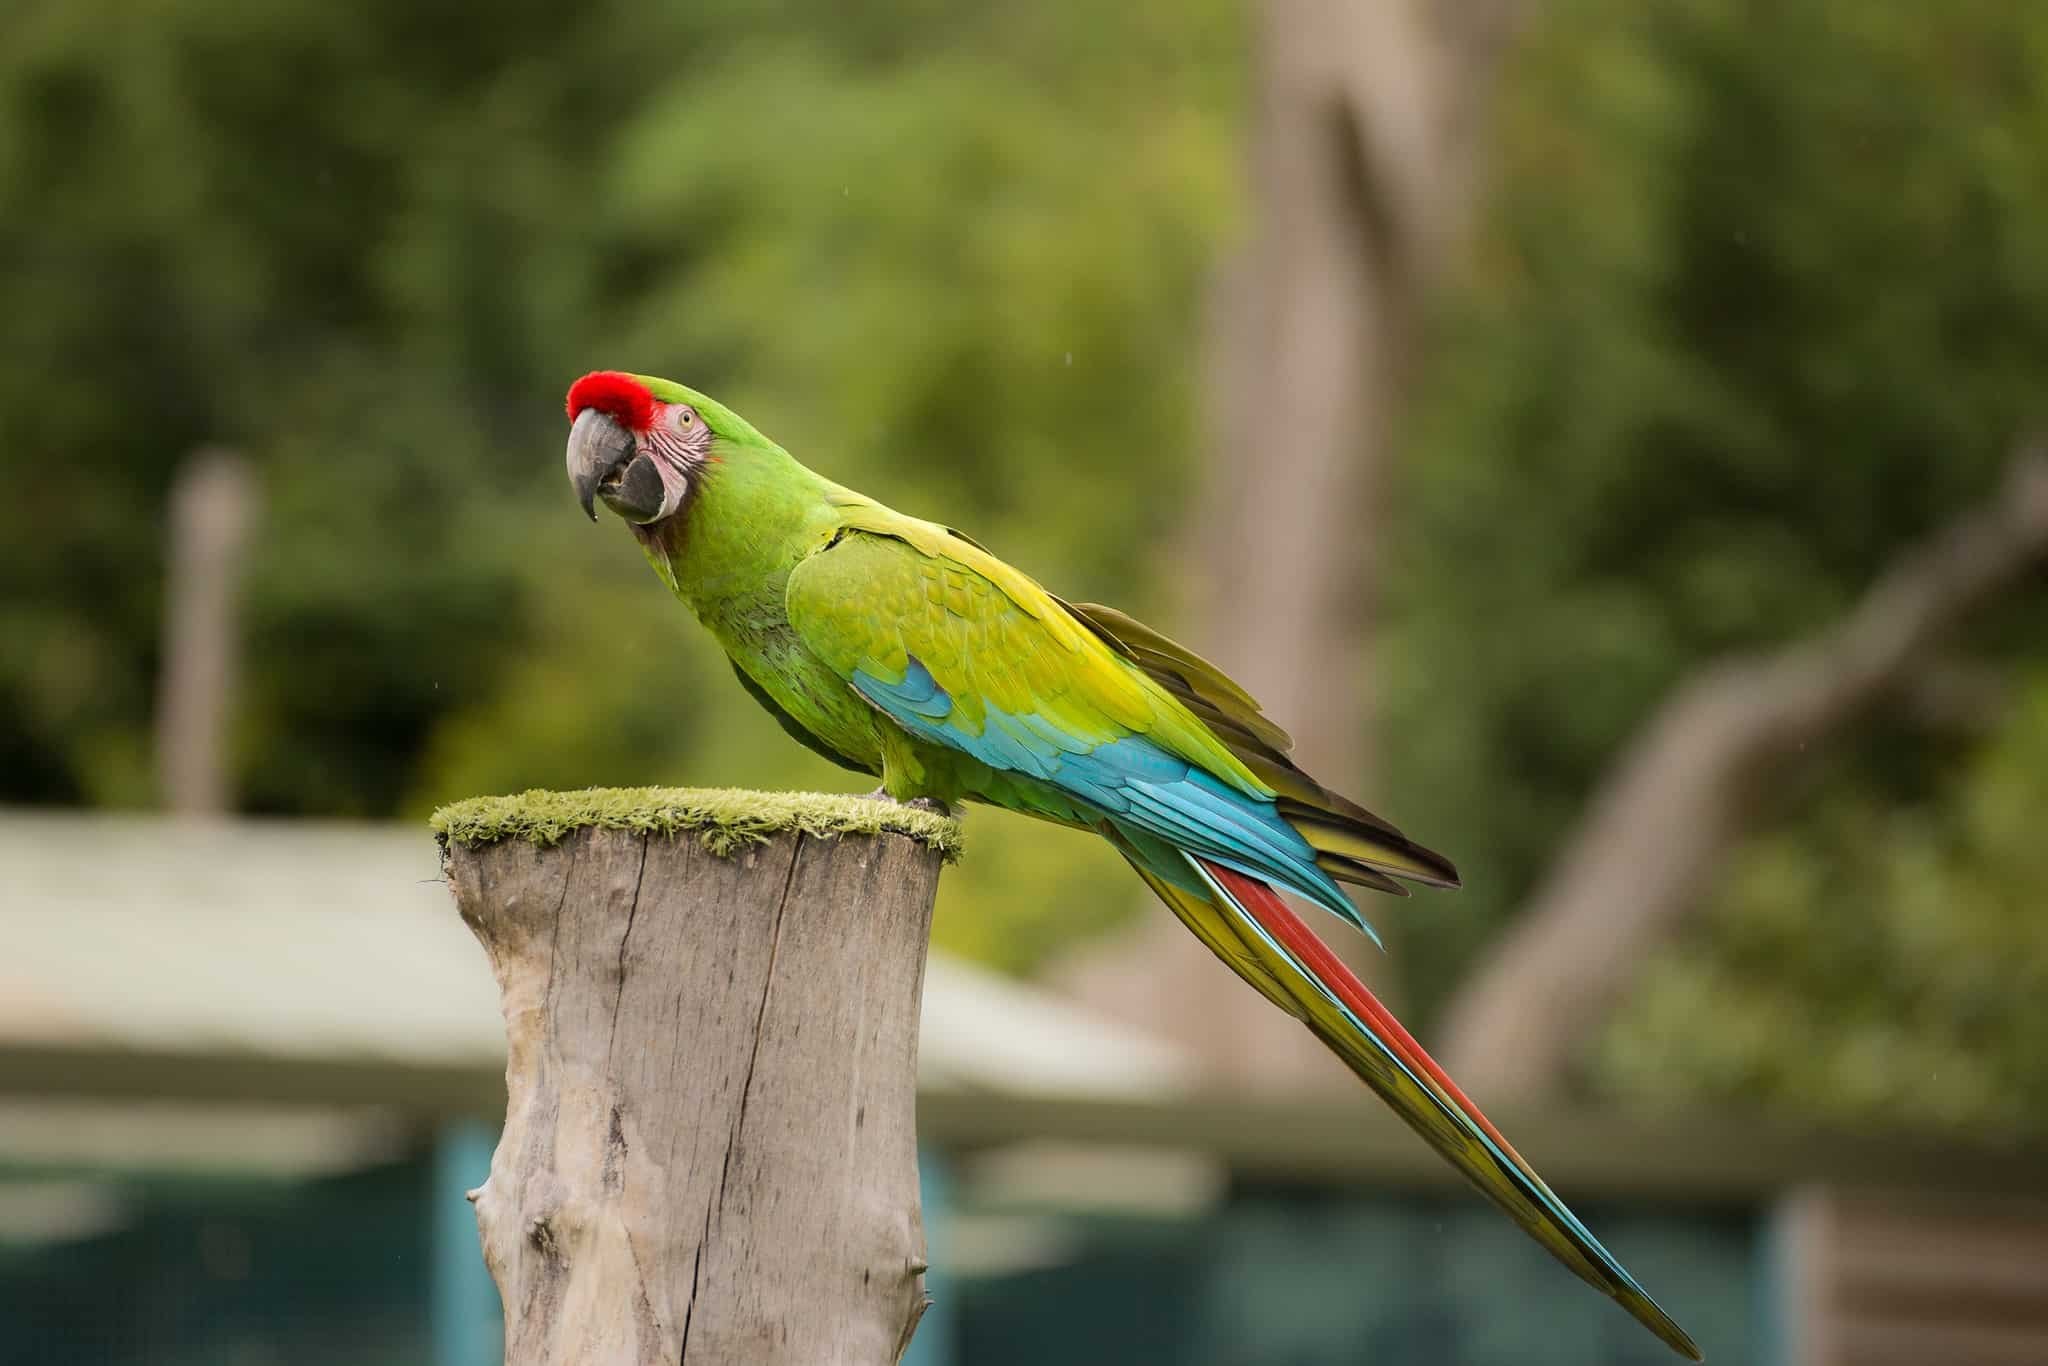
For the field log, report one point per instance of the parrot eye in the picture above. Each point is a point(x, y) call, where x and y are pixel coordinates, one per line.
point(684, 417)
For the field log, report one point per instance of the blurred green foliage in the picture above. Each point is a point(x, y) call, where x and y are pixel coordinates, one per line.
point(952, 255)
point(1758, 295)
point(1759, 299)
point(1876, 963)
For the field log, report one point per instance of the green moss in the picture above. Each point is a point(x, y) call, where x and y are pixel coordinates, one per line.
point(724, 818)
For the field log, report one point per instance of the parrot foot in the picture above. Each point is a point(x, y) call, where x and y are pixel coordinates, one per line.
point(932, 804)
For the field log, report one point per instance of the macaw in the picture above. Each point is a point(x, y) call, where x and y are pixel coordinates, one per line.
point(900, 648)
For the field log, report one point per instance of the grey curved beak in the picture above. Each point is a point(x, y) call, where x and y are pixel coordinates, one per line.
point(599, 449)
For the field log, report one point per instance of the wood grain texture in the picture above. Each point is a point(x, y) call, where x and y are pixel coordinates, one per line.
point(1904, 1278)
point(710, 1150)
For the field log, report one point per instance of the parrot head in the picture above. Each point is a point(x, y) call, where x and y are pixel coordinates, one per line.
point(643, 445)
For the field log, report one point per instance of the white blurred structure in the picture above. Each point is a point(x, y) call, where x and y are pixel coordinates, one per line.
point(338, 944)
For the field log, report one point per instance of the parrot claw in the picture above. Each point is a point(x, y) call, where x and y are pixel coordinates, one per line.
point(932, 804)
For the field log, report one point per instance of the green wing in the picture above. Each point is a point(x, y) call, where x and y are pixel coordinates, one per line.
point(903, 609)
point(1008, 654)
point(963, 652)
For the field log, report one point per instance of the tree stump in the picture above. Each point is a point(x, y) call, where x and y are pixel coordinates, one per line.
point(711, 1005)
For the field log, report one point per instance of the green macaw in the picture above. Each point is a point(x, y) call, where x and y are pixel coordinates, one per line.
point(898, 647)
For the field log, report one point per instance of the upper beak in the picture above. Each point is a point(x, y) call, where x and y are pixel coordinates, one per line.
point(598, 445)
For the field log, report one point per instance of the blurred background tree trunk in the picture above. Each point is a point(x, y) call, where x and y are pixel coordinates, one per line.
point(1362, 156)
point(212, 505)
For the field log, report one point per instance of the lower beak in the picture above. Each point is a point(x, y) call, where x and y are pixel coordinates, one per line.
point(599, 453)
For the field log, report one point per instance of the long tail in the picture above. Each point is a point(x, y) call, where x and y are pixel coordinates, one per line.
point(1247, 924)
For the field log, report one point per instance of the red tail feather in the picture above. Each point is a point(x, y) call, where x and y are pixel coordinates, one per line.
point(1266, 906)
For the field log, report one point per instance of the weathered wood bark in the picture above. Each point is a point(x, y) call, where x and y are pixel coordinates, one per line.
point(1690, 785)
point(710, 1150)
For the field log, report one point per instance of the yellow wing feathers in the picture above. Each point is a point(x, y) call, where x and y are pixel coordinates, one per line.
point(990, 636)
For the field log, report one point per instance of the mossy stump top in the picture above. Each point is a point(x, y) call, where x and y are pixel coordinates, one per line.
point(724, 819)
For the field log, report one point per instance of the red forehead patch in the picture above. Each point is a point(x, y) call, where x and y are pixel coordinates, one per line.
point(616, 393)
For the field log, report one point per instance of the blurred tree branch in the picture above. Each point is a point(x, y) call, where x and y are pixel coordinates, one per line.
point(1695, 777)
point(1963, 697)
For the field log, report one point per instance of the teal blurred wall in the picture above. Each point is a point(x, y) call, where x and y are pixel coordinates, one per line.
point(380, 1268)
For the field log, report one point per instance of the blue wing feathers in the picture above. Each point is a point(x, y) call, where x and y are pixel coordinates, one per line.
point(1053, 735)
point(1130, 779)
point(918, 687)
